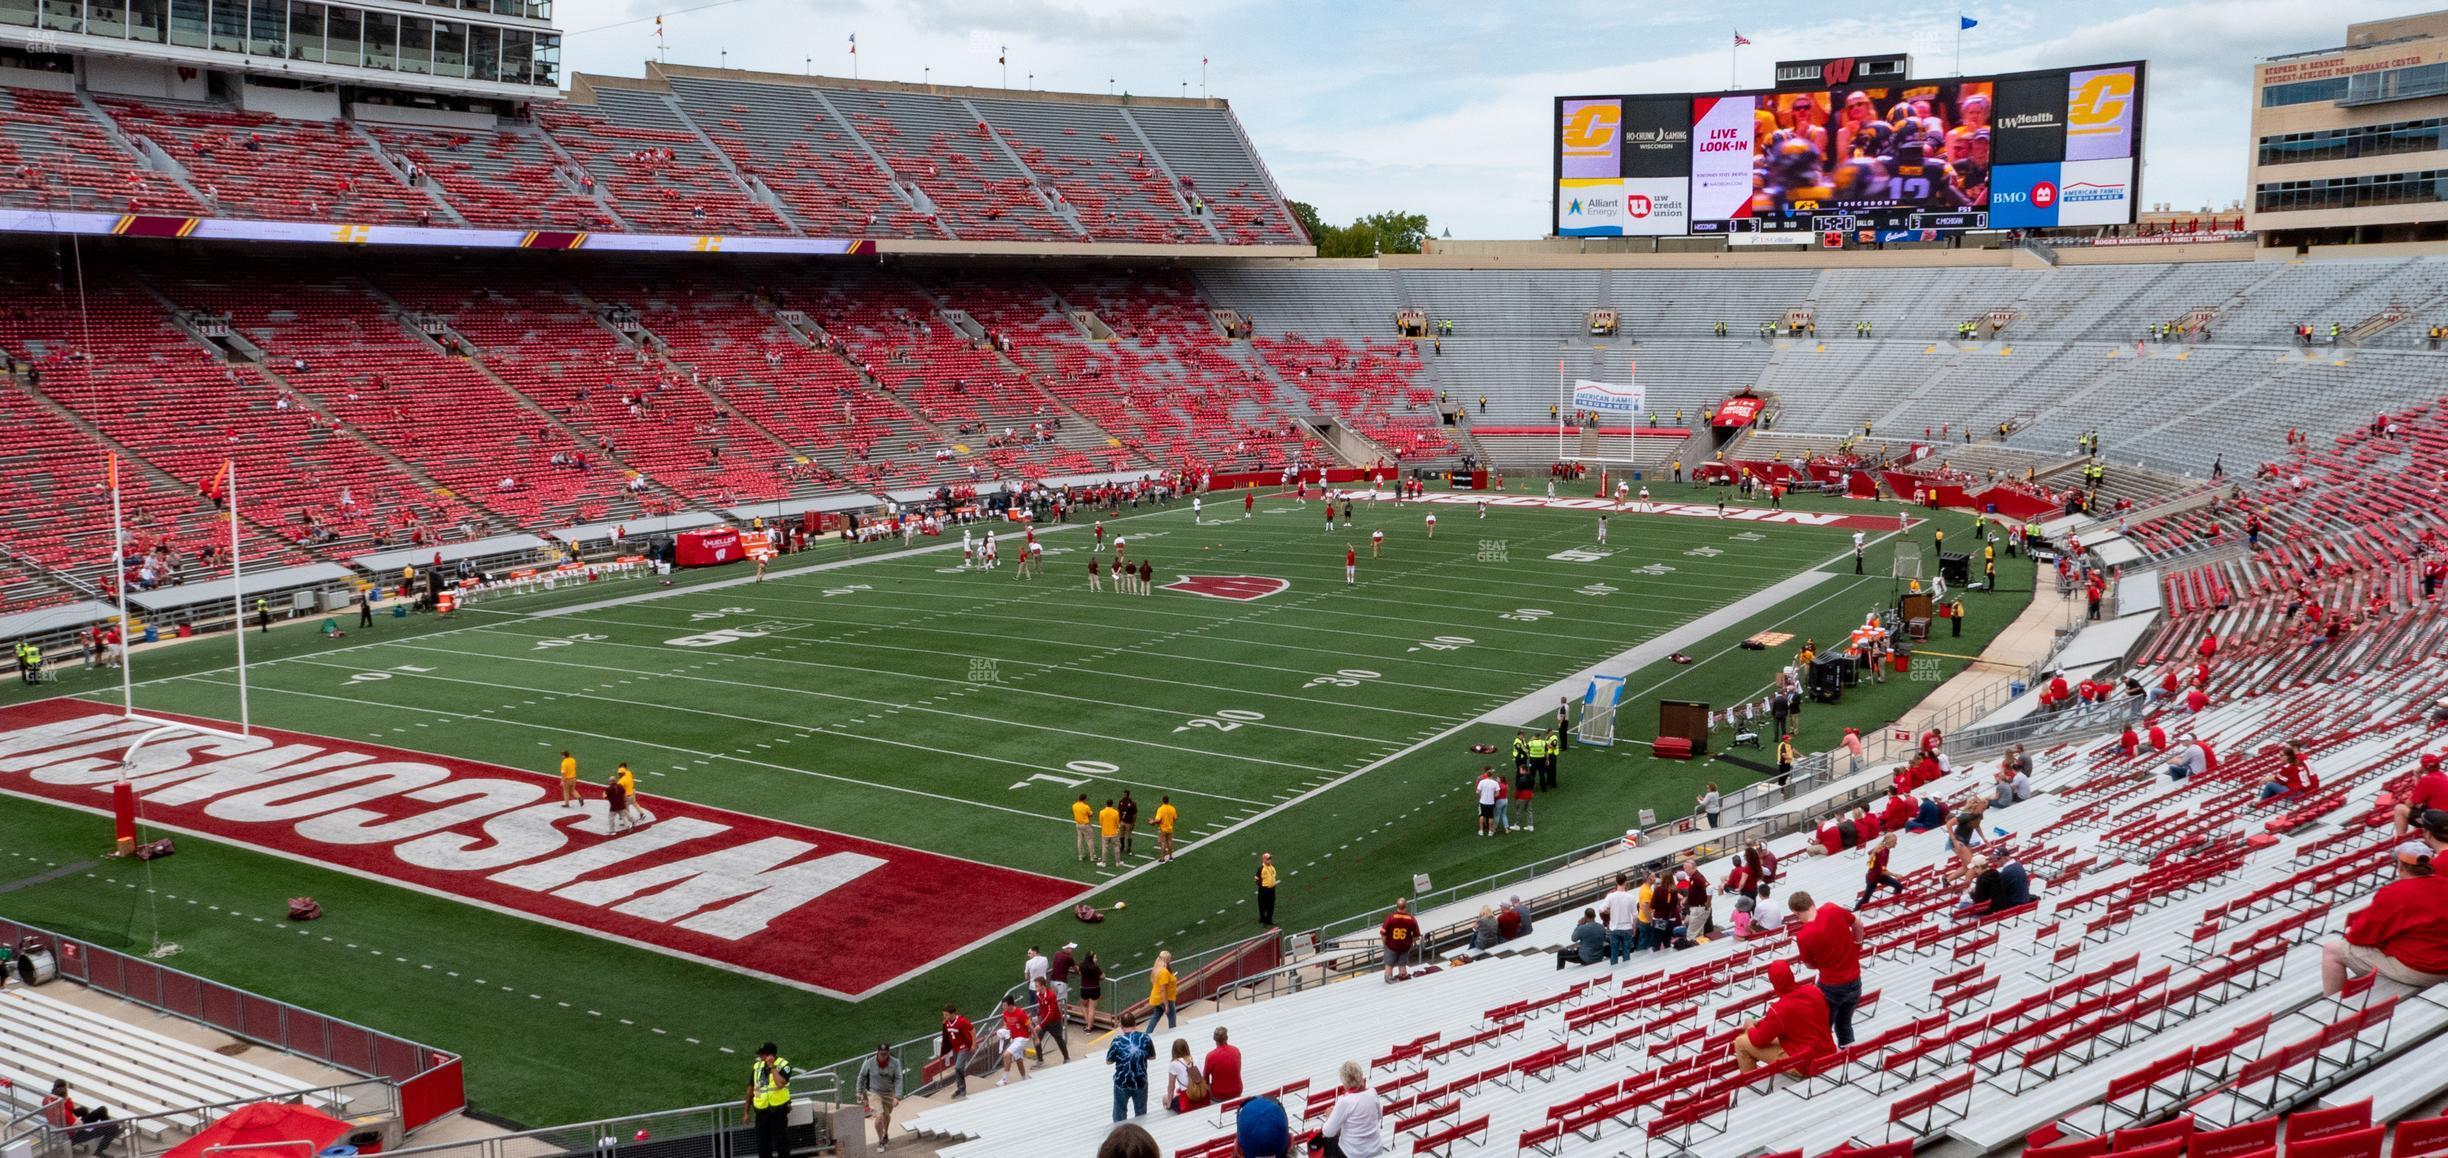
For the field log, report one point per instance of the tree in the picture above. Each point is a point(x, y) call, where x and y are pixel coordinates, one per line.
point(1306, 214)
point(1390, 232)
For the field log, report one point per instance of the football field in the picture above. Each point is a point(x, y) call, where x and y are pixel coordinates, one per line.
point(861, 768)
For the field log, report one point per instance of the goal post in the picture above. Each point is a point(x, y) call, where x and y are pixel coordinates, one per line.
point(1612, 404)
point(1598, 704)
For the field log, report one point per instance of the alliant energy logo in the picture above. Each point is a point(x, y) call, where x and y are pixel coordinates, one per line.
point(818, 910)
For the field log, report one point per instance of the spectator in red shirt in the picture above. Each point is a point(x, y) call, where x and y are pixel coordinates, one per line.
point(1223, 1068)
point(1899, 810)
point(1401, 934)
point(1794, 1026)
point(1878, 874)
point(958, 1039)
point(2294, 775)
point(1050, 1021)
point(2196, 699)
point(2430, 791)
point(1831, 946)
point(1013, 1036)
point(2129, 743)
point(2157, 736)
point(2402, 933)
point(2209, 646)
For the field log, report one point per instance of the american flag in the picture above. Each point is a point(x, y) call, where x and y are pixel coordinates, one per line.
point(1740, 40)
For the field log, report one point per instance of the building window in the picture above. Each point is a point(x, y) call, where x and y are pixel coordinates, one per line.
point(68, 16)
point(2397, 84)
point(188, 19)
point(381, 40)
point(306, 31)
point(450, 48)
point(229, 19)
point(518, 56)
point(416, 44)
point(2304, 92)
point(2366, 141)
point(547, 59)
point(148, 20)
point(2423, 188)
point(20, 13)
point(484, 52)
point(268, 28)
point(345, 40)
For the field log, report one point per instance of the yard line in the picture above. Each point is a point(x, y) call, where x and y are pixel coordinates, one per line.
point(891, 704)
point(854, 735)
point(957, 683)
point(566, 731)
point(1092, 646)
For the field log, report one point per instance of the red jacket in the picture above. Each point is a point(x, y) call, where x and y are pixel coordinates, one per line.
point(1797, 1020)
point(1827, 945)
point(1899, 809)
point(2408, 920)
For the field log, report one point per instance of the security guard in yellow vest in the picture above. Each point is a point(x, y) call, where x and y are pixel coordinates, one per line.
point(1537, 750)
point(769, 1102)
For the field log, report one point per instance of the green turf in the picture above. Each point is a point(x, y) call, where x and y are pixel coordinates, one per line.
point(912, 705)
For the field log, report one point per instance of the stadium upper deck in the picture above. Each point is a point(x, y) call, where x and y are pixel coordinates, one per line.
point(681, 151)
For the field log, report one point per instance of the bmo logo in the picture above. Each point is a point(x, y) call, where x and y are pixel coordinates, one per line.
point(1638, 205)
point(2044, 195)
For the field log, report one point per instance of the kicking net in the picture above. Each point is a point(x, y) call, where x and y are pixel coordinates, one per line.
point(1597, 724)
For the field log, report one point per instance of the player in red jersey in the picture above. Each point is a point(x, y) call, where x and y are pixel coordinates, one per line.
point(1351, 564)
point(1249, 499)
point(1100, 535)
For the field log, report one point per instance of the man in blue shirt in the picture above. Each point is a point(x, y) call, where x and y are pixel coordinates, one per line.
point(1128, 1053)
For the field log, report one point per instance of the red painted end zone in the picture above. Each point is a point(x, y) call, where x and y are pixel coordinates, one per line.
point(814, 909)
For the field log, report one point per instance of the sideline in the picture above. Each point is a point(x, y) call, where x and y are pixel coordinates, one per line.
point(814, 568)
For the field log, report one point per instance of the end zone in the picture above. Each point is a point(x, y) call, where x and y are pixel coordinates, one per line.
point(820, 911)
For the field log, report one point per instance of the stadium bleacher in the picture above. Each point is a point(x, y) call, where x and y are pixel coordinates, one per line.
point(153, 1078)
point(2166, 980)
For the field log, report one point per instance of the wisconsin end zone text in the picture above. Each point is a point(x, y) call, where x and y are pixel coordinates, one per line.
point(740, 892)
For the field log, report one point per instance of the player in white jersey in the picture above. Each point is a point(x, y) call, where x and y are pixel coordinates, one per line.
point(1376, 543)
point(968, 548)
point(988, 551)
point(1602, 530)
point(1198, 508)
point(1483, 508)
point(1551, 488)
point(1623, 490)
point(1432, 524)
point(1644, 494)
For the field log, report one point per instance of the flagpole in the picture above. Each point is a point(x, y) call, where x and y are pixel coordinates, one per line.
point(1733, 51)
point(127, 681)
point(237, 592)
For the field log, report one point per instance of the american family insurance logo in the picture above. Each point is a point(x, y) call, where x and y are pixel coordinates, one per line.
point(817, 910)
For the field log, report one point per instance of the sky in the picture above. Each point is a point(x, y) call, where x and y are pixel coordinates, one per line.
point(1449, 112)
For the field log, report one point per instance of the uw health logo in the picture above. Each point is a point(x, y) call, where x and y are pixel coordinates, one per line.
point(1237, 588)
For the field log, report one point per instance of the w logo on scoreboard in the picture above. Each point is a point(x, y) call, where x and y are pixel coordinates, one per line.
point(1837, 71)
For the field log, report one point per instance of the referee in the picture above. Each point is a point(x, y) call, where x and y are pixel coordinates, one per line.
point(769, 1102)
